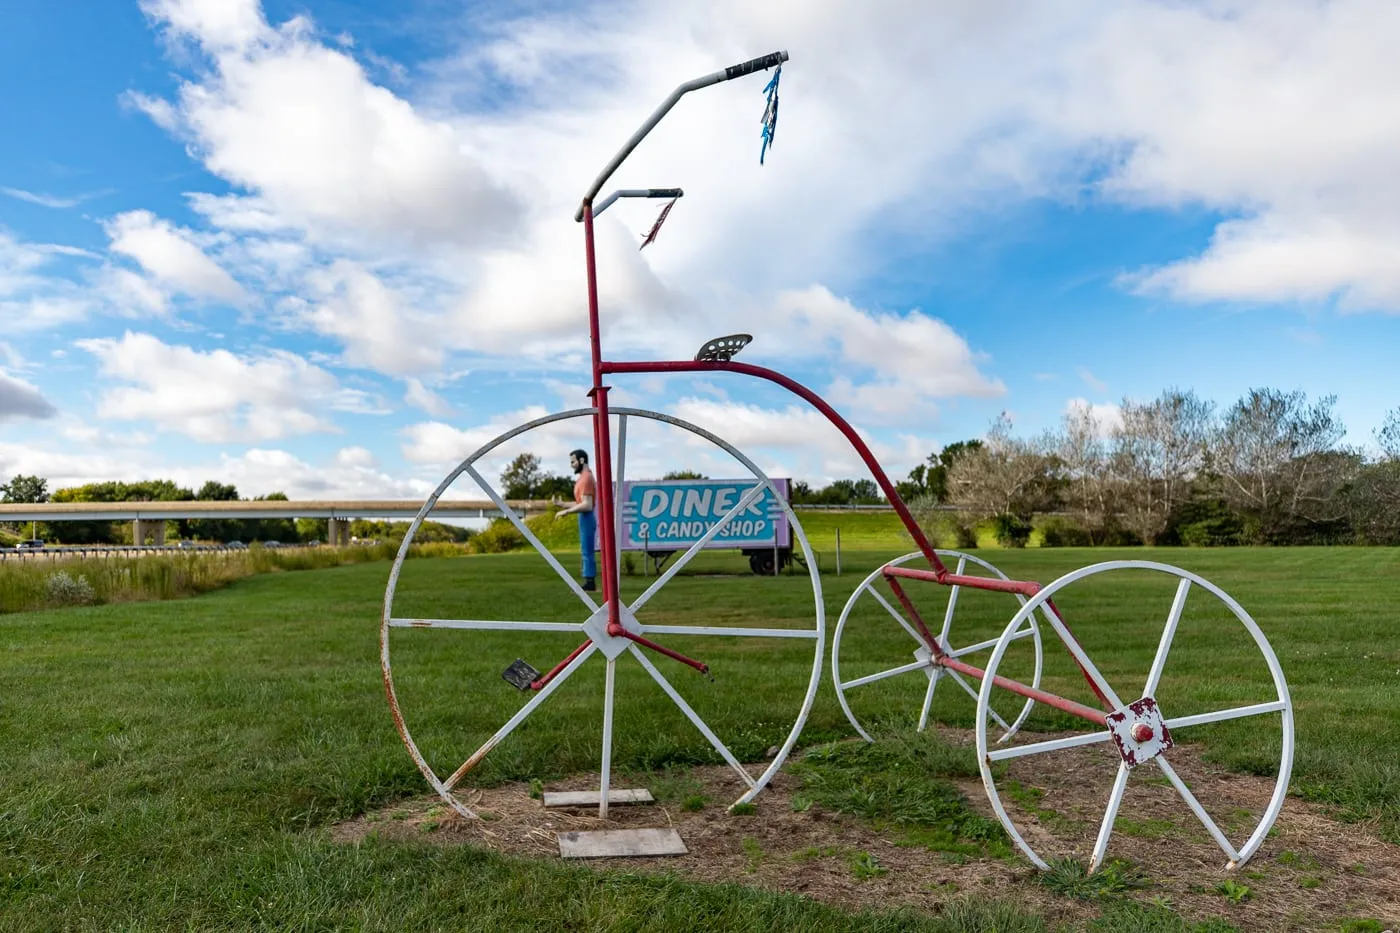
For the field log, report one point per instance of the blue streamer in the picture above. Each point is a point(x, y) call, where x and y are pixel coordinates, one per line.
point(770, 114)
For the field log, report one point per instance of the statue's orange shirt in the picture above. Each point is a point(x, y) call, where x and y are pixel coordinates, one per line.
point(585, 485)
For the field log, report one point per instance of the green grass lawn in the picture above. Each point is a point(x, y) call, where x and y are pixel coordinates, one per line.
point(175, 764)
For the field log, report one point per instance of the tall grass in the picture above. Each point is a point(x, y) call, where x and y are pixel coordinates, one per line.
point(49, 583)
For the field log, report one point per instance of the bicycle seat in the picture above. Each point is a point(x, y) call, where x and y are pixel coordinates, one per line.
point(722, 349)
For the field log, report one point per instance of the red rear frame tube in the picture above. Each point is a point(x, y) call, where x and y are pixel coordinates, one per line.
point(607, 530)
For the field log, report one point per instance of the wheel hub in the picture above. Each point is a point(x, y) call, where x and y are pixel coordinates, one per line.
point(596, 628)
point(1139, 731)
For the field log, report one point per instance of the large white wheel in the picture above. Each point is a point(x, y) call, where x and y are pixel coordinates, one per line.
point(870, 610)
point(586, 622)
point(1138, 729)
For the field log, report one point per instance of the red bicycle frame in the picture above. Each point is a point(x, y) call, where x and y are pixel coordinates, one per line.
point(602, 441)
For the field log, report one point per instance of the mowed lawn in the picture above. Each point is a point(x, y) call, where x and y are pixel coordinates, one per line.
point(175, 765)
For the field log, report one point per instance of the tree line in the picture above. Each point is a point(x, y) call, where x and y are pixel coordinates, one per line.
point(1177, 470)
point(1269, 469)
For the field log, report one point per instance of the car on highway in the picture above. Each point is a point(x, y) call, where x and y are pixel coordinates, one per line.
point(33, 544)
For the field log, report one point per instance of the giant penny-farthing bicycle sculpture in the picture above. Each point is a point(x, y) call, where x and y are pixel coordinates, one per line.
point(1137, 728)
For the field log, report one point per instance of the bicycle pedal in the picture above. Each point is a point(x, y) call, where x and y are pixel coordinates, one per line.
point(520, 675)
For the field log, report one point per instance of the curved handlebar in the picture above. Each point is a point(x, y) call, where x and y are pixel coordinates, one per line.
point(733, 71)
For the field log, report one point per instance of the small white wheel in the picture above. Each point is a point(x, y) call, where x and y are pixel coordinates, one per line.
point(1145, 727)
point(462, 662)
point(882, 629)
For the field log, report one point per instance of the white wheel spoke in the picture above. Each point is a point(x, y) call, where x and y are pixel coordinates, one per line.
point(500, 625)
point(892, 672)
point(524, 529)
point(1053, 745)
point(989, 643)
point(1077, 650)
point(690, 714)
point(1115, 800)
point(610, 684)
point(895, 614)
point(1239, 712)
point(730, 630)
point(928, 700)
point(952, 604)
point(1196, 808)
point(519, 717)
point(1160, 661)
point(744, 502)
point(618, 475)
point(973, 693)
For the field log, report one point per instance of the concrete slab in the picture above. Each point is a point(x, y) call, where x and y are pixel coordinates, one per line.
point(621, 843)
point(591, 798)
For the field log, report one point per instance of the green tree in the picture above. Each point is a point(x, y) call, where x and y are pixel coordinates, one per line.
point(684, 474)
point(283, 530)
point(217, 529)
point(25, 489)
point(518, 481)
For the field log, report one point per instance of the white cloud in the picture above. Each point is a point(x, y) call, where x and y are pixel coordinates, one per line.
point(355, 306)
point(19, 399)
point(217, 24)
point(420, 396)
point(300, 126)
point(1107, 417)
point(43, 200)
point(171, 256)
point(904, 361)
point(216, 396)
point(1090, 380)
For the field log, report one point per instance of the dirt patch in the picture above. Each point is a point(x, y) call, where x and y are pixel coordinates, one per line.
point(1310, 872)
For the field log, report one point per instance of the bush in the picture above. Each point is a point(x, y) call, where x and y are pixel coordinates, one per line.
point(1011, 530)
point(1206, 523)
point(1058, 531)
point(499, 537)
point(64, 590)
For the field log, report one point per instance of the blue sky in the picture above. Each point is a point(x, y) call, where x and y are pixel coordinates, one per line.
point(328, 247)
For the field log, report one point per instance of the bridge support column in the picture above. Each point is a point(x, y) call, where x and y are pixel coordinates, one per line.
point(158, 531)
point(337, 532)
point(138, 532)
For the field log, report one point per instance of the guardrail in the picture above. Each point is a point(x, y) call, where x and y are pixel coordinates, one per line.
point(54, 551)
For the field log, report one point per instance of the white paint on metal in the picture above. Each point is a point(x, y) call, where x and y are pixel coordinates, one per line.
point(867, 588)
point(1282, 704)
point(1200, 811)
point(621, 843)
point(1239, 712)
point(693, 716)
point(501, 625)
point(892, 672)
point(1115, 800)
point(1050, 745)
point(529, 535)
point(521, 714)
point(728, 630)
point(609, 689)
point(1154, 676)
point(816, 633)
point(596, 628)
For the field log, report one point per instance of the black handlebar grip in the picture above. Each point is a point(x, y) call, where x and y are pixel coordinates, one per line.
point(758, 64)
